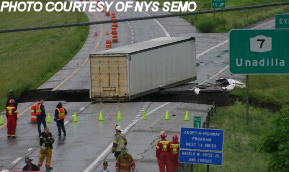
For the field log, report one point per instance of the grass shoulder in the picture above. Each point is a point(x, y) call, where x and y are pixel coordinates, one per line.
point(30, 58)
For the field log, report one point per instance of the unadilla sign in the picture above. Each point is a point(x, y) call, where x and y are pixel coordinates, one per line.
point(259, 51)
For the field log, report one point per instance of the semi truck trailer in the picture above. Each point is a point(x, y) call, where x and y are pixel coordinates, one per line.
point(128, 72)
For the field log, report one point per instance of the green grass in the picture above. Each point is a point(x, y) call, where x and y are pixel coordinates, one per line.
point(224, 22)
point(240, 143)
point(267, 89)
point(30, 58)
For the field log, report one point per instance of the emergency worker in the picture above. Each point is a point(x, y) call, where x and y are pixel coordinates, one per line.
point(11, 96)
point(174, 147)
point(162, 154)
point(41, 115)
point(12, 118)
point(124, 162)
point(60, 114)
point(29, 165)
point(46, 144)
point(118, 142)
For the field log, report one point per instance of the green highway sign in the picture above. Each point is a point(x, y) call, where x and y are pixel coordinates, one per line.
point(218, 3)
point(259, 51)
point(197, 122)
point(282, 21)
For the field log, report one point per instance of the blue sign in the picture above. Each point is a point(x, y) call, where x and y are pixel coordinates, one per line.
point(202, 139)
point(197, 157)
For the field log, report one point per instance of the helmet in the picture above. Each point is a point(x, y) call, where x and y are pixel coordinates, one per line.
point(175, 137)
point(118, 128)
point(28, 159)
point(163, 134)
point(11, 101)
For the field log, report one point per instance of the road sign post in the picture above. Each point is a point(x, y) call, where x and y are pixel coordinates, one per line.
point(282, 21)
point(259, 52)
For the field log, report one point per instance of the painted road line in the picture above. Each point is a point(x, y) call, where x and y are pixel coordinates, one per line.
point(225, 68)
point(161, 26)
point(16, 160)
point(86, 60)
point(106, 152)
point(210, 49)
point(29, 149)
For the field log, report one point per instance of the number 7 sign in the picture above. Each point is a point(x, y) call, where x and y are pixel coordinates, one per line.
point(261, 44)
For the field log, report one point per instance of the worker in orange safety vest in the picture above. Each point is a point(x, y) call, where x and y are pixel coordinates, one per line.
point(124, 162)
point(174, 148)
point(12, 118)
point(41, 115)
point(162, 153)
point(60, 113)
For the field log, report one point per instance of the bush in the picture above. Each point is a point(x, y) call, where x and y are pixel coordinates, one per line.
point(208, 24)
point(276, 142)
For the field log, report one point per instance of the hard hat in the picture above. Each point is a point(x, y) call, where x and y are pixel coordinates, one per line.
point(11, 101)
point(28, 159)
point(175, 137)
point(118, 128)
point(163, 134)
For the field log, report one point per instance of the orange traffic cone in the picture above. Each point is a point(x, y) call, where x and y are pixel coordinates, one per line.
point(107, 33)
point(108, 44)
point(113, 29)
point(95, 33)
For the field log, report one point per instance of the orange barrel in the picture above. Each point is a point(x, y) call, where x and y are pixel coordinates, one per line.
point(108, 44)
point(107, 13)
point(33, 115)
point(113, 14)
point(114, 37)
point(114, 24)
point(113, 29)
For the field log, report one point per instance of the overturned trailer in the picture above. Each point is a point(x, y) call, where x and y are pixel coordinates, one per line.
point(135, 70)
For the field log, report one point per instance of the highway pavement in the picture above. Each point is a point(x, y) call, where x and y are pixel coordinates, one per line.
point(87, 142)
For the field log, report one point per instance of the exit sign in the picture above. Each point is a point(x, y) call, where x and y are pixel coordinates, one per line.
point(282, 21)
point(218, 3)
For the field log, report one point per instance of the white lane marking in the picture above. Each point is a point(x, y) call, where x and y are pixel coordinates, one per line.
point(162, 27)
point(125, 131)
point(215, 75)
point(210, 49)
point(66, 122)
point(16, 160)
point(81, 109)
point(29, 149)
point(222, 70)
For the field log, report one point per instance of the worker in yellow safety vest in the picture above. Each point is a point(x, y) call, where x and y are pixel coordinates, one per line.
point(60, 114)
point(118, 142)
point(124, 162)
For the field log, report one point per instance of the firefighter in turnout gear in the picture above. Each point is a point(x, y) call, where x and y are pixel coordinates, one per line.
point(12, 118)
point(118, 142)
point(40, 114)
point(60, 114)
point(46, 144)
point(174, 147)
point(124, 162)
point(162, 154)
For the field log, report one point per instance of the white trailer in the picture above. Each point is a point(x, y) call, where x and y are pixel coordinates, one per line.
point(135, 70)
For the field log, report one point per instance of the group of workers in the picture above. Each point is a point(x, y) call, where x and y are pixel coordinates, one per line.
point(166, 152)
point(46, 139)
